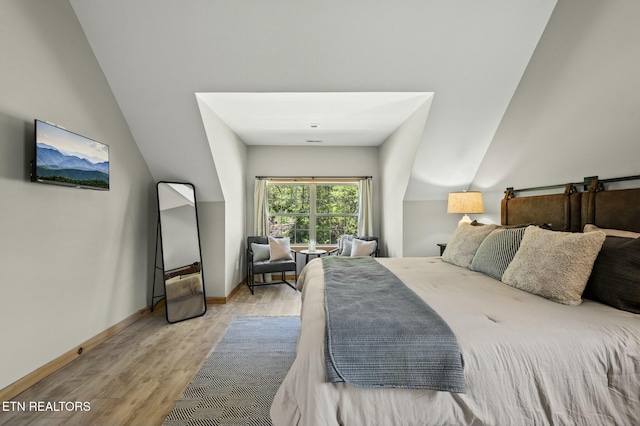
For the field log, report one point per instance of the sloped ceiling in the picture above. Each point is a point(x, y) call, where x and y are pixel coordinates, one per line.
point(157, 55)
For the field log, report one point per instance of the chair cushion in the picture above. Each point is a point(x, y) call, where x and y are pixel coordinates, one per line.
point(265, 266)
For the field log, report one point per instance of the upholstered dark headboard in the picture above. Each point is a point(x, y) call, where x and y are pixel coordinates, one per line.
point(561, 212)
point(571, 210)
point(618, 209)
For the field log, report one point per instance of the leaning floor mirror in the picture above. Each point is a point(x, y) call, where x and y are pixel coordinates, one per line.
point(179, 239)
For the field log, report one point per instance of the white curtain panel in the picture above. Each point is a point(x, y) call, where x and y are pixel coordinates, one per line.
point(261, 208)
point(365, 214)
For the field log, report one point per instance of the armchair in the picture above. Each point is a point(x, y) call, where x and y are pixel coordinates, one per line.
point(259, 262)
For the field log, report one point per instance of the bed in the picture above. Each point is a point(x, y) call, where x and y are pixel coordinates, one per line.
point(528, 360)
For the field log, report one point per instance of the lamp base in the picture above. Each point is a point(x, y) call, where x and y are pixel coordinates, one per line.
point(465, 219)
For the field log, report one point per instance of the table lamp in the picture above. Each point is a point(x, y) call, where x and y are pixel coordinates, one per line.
point(465, 202)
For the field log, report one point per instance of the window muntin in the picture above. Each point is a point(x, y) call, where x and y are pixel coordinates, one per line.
point(320, 211)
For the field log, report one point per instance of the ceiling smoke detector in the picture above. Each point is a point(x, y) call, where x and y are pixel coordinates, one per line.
point(314, 125)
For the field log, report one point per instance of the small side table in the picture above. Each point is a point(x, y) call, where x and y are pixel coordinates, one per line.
point(308, 253)
point(442, 247)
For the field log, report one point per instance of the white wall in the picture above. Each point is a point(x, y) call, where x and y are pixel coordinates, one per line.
point(576, 112)
point(74, 262)
point(425, 224)
point(211, 221)
point(397, 155)
point(230, 158)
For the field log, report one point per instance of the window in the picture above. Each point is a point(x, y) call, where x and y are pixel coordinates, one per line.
point(319, 211)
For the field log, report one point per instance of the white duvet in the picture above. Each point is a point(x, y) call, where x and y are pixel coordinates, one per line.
point(527, 360)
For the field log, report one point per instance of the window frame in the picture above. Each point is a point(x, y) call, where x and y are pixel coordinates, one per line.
point(313, 214)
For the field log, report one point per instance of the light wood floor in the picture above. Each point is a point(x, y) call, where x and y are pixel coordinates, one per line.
point(135, 377)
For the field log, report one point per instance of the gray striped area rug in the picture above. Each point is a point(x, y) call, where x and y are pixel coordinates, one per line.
point(237, 383)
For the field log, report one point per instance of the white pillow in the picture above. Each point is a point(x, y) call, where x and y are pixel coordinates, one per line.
point(362, 248)
point(260, 252)
point(280, 249)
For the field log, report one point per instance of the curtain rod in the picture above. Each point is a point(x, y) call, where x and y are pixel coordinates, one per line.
point(314, 177)
point(620, 179)
point(585, 182)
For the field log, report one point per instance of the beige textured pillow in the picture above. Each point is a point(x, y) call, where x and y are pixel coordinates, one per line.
point(465, 242)
point(280, 249)
point(554, 265)
point(611, 232)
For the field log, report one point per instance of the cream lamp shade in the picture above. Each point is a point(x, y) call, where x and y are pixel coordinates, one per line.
point(465, 202)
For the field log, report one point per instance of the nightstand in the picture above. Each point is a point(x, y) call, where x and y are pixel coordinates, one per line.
point(442, 247)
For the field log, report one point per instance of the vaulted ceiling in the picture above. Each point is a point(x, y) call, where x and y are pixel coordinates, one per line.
point(157, 55)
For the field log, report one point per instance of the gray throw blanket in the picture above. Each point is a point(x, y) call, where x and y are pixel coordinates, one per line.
point(380, 334)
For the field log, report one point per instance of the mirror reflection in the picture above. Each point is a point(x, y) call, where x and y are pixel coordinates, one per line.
point(180, 246)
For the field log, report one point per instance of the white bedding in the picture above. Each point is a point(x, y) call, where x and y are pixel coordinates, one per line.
point(527, 360)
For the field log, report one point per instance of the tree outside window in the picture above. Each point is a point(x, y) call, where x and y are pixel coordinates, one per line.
point(319, 211)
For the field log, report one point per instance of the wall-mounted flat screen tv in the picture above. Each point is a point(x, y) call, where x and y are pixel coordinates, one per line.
point(66, 158)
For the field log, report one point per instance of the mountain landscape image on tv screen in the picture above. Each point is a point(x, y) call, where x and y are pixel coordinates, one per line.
point(66, 158)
